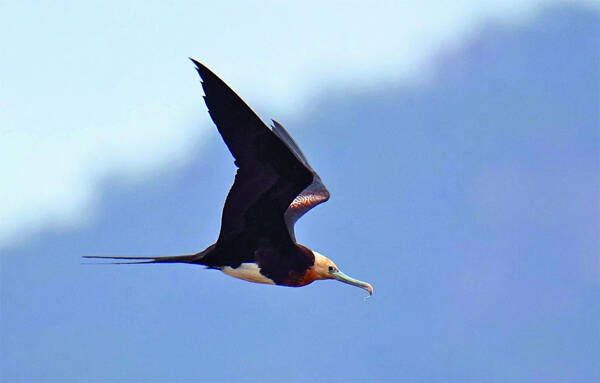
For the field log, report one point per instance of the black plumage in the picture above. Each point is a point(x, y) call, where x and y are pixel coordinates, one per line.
point(274, 186)
point(272, 173)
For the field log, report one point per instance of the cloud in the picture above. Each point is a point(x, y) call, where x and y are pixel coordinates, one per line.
point(90, 92)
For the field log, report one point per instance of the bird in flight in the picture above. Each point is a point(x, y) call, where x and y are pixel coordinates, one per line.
point(274, 186)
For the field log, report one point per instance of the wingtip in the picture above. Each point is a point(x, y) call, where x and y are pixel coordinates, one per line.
point(202, 70)
point(276, 125)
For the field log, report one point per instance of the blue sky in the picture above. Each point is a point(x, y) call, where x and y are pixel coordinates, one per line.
point(460, 144)
point(108, 86)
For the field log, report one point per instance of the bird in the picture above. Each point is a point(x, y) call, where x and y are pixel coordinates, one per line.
point(273, 187)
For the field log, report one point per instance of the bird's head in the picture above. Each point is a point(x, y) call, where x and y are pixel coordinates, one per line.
point(325, 268)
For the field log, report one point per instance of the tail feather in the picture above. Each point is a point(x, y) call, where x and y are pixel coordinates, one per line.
point(193, 258)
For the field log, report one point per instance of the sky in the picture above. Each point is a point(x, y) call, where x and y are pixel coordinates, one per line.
point(460, 143)
point(99, 89)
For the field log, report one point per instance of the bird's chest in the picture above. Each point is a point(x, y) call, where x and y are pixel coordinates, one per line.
point(247, 271)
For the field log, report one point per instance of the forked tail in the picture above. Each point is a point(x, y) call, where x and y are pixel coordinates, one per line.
point(197, 258)
point(193, 258)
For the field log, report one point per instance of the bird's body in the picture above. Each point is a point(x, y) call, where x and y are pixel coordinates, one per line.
point(274, 186)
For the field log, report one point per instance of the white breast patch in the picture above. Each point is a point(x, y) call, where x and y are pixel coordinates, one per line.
point(248, 272)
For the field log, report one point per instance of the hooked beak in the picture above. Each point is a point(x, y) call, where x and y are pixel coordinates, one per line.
point(351, 281)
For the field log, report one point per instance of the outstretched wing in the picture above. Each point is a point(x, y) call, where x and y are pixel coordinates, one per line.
point(270, 174)
point(314, 194)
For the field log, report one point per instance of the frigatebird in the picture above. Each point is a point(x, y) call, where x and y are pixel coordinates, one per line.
point(274, 186)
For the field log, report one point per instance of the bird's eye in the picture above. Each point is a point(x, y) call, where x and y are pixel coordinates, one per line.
point(331, 269)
